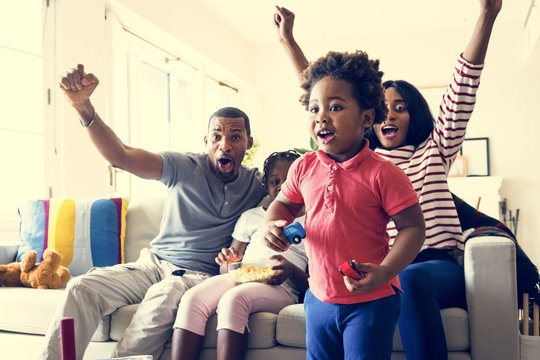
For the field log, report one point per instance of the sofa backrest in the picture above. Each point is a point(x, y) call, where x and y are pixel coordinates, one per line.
point(142, 224)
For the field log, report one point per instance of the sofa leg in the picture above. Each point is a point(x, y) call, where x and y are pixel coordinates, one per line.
point(186, 345)
point(231, 345)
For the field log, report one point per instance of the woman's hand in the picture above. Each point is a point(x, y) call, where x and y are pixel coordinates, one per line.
point(491, 6)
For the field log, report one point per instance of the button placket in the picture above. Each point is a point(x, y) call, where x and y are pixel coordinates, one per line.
point(329, 193)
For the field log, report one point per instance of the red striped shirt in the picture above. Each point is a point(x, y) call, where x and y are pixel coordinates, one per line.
point(427, 166)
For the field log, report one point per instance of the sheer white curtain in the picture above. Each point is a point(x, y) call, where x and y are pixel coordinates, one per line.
point(22, 97)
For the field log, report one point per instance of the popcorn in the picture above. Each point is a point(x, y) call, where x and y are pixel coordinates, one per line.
point(243, 272)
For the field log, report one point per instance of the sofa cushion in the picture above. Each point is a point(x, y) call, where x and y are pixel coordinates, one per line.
point(87, 232)
point(456, 328)
point(143, 219)
point(262, 328)
point(30, 311)
point(8, 251)
point(21, 311)
point(291, 326)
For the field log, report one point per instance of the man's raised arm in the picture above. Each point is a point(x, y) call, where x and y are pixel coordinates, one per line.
point(78, 86)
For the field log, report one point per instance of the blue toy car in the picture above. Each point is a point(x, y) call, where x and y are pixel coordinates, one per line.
point(294, 232)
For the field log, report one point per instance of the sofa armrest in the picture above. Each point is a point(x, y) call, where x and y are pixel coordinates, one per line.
point(490, 282)
point(8, 251)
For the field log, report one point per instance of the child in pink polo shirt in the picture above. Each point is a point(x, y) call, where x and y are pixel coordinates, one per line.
point(350, 194)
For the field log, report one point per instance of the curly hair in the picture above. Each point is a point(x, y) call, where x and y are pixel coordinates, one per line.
point(289, 155)
point(355, 68)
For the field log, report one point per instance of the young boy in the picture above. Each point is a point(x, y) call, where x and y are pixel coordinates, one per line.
point(349, 194)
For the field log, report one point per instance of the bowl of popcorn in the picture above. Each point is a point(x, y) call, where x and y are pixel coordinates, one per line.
point(251, 271)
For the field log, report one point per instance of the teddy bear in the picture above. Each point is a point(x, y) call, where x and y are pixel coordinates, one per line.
point(48, 274)
point(10, 274)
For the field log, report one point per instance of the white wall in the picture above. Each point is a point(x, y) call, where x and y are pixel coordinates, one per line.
point(506, 110)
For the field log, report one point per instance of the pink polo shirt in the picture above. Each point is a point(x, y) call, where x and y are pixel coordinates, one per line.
point(348, 206)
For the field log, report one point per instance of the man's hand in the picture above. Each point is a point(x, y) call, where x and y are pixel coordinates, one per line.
point(228, 255)
point(78, 86)
point(284, 21)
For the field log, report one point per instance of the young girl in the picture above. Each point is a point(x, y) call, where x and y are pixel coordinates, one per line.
point(425, 150)
point(349, 194)
point(233, 303)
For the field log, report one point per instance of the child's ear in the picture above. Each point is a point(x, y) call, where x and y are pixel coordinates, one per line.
point(368, 118)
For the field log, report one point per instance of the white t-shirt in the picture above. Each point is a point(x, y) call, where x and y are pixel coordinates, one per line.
point(248, 229)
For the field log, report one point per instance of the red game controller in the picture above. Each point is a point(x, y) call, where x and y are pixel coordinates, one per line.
point(347, 269)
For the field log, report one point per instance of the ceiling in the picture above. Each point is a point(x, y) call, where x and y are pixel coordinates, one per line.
point(327, 19)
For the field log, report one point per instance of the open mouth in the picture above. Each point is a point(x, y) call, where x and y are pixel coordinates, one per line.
point(325, 136)
point(225, 164)
point(389, 131)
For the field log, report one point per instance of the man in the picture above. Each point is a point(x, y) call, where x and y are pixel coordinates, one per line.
point(206, 195)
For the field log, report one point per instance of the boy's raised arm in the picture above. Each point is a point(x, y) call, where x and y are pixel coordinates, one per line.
point(284, 21)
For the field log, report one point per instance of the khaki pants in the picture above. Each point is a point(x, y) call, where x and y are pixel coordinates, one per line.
point(90, 297)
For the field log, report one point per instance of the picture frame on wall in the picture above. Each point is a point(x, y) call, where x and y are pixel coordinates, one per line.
point(476, 151)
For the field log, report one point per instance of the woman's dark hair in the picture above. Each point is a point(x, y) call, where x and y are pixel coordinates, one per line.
point(289, 155)
point(232, 112)
point(421, 122)
point(355, 68)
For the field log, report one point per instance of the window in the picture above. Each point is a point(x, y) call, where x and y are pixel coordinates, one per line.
point(22, 142)
point(161, 116)
point(168, 104)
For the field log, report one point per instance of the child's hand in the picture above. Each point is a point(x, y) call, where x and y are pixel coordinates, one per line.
point(283, 270)
point(228, 255)
point(375, 276)
point(273, 236)
point(284, 21)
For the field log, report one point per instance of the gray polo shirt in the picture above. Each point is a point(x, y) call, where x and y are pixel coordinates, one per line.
point(200, 210)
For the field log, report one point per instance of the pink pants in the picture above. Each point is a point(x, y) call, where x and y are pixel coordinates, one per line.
point(233, 304)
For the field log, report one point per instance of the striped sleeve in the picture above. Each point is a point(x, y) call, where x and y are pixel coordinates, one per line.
point(456, 109)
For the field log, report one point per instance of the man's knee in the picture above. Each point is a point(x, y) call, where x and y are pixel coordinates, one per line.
point(168, 289)
point(80, 283)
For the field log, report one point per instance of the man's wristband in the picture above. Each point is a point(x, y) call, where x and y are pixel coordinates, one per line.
point(91, 120)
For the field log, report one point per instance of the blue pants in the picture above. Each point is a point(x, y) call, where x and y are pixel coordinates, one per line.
point(435, 281)
point(352, 332)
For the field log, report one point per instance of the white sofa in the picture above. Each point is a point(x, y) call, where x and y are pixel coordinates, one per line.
point(488, 331)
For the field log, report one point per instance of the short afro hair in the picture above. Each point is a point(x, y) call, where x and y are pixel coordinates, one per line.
point(355, 68)
point(232, 112)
